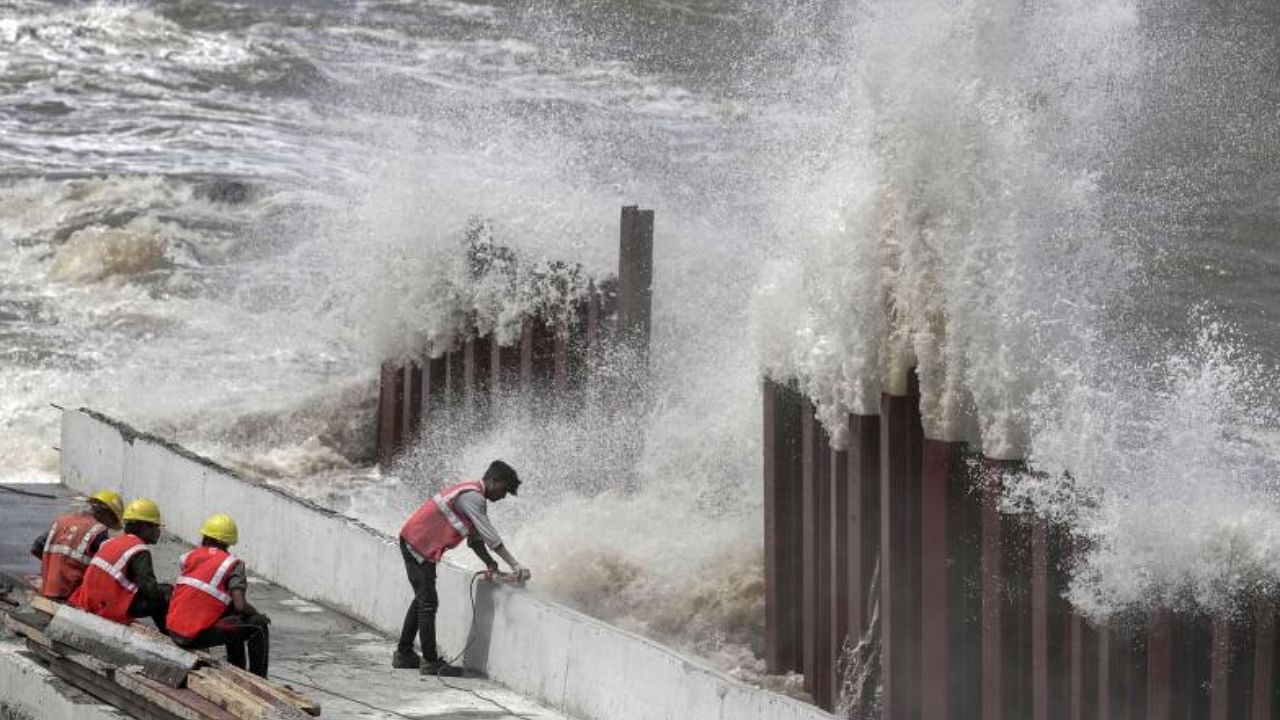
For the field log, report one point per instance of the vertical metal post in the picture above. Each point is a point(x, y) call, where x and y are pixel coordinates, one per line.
point(1160, 666)
point(782, 528)
point(899, 559)
point(1220, 671)
point(843, 527)
point(1263, 658)
point(437, 373)
point(413, 401)
point(1104, 673)
point(817, 556)
point(635, 277)
point(993, 661)
point(936, 578)
point(390, 411)
point(1076, 668)
point(1039, 620)
point(864, 511)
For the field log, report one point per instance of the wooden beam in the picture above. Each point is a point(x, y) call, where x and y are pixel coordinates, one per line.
point(245, 704)
point(181, 703)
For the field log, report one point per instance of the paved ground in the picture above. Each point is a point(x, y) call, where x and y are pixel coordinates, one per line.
point(344, 665)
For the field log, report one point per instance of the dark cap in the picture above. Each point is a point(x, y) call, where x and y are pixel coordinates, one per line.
point(499, 470)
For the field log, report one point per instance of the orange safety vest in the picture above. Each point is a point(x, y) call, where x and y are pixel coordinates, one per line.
point(436, 527)
point(66, 554)
point(200, 596)
point(107, 590)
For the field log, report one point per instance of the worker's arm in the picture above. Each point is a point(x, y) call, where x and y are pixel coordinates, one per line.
point(237, 584)
point(476, 508)
point(141, 573)
point(37, 547)
point(476, 543)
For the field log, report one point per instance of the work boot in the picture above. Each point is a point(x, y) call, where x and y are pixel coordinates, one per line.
point(440, 668)
point(405, 660)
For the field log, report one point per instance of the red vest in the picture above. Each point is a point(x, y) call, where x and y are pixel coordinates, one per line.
point(66, 554)
point(200, 596)
point(107, 590)
point(436, 527)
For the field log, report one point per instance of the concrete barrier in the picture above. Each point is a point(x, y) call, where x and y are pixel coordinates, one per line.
point(574, 663)
point(29, 691)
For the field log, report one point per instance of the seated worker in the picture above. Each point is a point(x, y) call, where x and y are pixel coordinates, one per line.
point(458, 512)
point(208, 606)
point(120, 584)
point(65, 551)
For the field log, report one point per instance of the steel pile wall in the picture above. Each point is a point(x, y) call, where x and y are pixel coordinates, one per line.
point(973, 620)
point(549, 353)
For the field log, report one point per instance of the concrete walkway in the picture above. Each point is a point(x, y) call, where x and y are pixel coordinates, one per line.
point(339, 662)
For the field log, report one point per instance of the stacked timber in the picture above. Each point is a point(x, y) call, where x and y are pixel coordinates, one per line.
point(141, 672)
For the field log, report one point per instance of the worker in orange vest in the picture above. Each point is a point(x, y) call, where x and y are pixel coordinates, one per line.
point(65, 551)
point(456, 513)
point(209, 606)
point(120, 584)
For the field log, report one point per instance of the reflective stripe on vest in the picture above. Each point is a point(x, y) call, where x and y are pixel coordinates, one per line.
point(116, 570)
point(211, 588)
point(80, 553)
point(447, 510)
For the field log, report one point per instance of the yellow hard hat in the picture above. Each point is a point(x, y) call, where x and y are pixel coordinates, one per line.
point(143, 510)
point(111, 500)
point(222, 528)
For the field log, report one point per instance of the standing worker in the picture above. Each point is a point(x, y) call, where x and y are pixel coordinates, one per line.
point(120, 584)
point(65, 551)
point(456, 513)
point(209, 607)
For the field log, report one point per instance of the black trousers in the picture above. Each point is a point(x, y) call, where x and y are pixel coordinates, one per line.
point(156, 608)
point(237, 633)
point(420, 618)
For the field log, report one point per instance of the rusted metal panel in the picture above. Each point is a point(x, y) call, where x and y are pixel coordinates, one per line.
point(1160, 666)
point(936, 578)
point(1219, 673)
point(435, 381)
point(560, 357)
point(1104, 674)
point(1039, 620)
point(390, 411)
point(635, 277)
point(454, 383)
point(864, 511)
point(843, 527)
point(899, 560)
point(412, 402)
point(1263, 659)
point(782, 528)
point(815, 461)
point(992, 604)
point(1076, 668)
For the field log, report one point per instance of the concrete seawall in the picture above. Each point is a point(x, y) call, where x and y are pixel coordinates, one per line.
point(570, 661)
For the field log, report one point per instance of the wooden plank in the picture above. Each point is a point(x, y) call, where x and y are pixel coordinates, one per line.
point(260, 685)
point(18, 625)
point(181, 703)
point(48, 606)
point(90, 679)
point(245, 678)
point(218, 688)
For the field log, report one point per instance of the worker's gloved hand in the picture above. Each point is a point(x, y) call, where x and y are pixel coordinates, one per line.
point(521, 573)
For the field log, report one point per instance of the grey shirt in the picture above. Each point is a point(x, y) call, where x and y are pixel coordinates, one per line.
point(476, 508)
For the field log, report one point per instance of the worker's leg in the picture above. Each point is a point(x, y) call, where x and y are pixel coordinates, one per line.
point(428, 603)
point(422, 578)
point(155, 608)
